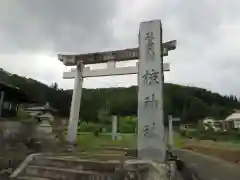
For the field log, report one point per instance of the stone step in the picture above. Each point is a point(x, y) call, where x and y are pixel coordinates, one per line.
point(77, 164)
point(32, 178)
point(104, 156)
point(58, 173)
point(110, 154)
point(50, 167)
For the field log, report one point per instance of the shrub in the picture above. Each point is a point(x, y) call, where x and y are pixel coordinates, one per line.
point(191, 134)
point(22, 115)
point(89, 127)
point(210, 134)
point(127, 125)
point(96, 132)
point(183, 133)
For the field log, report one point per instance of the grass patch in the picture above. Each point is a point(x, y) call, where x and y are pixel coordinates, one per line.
point(89, 142)
point(228, 154)
point(213, 144)
point(178, 141)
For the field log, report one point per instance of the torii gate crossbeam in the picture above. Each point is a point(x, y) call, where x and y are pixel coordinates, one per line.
point(103, 57)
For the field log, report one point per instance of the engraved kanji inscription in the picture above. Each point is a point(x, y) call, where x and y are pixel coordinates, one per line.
point(150, 43)
point(148, 130)
point(151, 77)
point(150, 101)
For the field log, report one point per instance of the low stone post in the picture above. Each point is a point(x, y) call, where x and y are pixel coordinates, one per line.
point(170, 130)
point(114, 127)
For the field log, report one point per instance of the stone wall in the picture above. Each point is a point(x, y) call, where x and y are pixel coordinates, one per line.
point(16, 131)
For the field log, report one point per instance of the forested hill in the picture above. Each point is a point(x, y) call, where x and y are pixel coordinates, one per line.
point(189, 103)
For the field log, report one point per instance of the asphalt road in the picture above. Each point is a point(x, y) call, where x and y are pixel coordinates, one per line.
point(209, 168)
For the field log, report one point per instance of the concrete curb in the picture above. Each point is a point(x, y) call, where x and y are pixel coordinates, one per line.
point(23, 165)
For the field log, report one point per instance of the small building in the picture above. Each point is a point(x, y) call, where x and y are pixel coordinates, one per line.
point(232, 121)
point(10, 99)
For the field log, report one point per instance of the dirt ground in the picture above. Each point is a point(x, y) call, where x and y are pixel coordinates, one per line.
point(221, 150)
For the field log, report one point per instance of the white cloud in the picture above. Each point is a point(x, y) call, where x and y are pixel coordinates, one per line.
point(41, 67)
point(207, 32)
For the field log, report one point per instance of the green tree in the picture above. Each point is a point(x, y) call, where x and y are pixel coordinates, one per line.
point(189, 103)
point(54, 86)
point(196, 110)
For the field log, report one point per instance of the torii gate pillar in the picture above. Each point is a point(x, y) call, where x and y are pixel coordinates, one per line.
point(75, 104)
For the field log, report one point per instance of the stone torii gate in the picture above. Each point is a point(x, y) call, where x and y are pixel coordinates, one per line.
point(150, 68)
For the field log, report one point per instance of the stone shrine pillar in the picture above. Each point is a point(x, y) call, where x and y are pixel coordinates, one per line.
point(151, 142)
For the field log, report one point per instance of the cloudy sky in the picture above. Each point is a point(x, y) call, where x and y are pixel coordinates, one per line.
point(208, 33)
